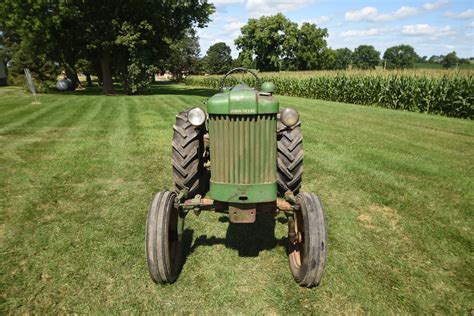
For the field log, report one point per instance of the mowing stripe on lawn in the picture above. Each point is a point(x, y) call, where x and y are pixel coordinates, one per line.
point(76, 183)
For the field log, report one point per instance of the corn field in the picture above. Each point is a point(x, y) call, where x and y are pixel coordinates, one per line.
point(450, 94)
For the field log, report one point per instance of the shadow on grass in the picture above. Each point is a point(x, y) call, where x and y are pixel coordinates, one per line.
point(161, 88)
point(167, 89)
point(248, 239)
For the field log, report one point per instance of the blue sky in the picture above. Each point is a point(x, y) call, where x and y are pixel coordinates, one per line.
point(432, 27)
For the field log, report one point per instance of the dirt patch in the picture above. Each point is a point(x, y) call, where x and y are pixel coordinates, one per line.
point(388, 213)
point(373, 215)
point(366, 221)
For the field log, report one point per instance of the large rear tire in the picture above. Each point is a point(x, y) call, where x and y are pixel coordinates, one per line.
point(188, 157)
point(289, 158)
point(163, 248)
point(308, 250)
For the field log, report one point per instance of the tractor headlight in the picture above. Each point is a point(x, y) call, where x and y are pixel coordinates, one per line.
point(289, 117)
point(196, 116)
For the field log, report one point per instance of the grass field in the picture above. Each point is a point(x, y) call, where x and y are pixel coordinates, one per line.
point(78, 171)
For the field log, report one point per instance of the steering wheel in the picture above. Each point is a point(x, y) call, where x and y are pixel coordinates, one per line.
point(257, 79)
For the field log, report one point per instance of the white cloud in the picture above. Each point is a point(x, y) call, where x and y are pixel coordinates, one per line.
point(419, 29)
point(372, 14)
point(469, 13)
point(204, 34)
point(217, 40)
point(360, 33)
point(322, 19)
point(232, 28)
point(224, 2)
point(366, 13)
point(401, 13)
point(430, 6)
point(269, 7)
point(471, 24)
point(427, 30)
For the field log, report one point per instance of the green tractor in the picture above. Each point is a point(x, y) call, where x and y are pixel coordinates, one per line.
point(247, 153)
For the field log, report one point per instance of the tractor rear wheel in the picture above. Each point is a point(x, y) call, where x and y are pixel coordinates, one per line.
point(188, 157)
point(163, 247)
point(289, 158)
point(307, 247)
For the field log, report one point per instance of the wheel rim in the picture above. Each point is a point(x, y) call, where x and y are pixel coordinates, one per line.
point(297, 246)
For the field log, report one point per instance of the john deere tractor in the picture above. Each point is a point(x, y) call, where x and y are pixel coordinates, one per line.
point(247, 154)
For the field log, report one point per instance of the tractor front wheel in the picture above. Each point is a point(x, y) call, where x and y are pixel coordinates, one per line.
point(163, 248)
point(307, 240)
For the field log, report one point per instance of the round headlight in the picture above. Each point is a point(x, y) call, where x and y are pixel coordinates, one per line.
point(289, 117)
point(196, 116)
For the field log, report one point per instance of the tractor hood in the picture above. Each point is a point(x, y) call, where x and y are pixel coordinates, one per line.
point(242, 100)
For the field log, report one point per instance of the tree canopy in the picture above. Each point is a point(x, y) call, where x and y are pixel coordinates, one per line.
point(343, 57)
point(450, 60)
point(126, 38)
point(276, 43)
point(267, 39)
point(183, 55)
point(311, 47)
point(400, 56)
point(365, 57)
point(218, 59)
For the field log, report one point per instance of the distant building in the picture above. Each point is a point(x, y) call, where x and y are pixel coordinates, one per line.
point(3, 74)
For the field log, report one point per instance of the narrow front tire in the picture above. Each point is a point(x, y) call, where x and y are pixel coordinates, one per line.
point(163, 248)
point(307, 247)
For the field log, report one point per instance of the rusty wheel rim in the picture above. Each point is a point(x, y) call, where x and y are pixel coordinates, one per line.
point(297, 253)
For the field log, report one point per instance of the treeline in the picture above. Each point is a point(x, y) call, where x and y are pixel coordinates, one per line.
point(274, 43)
point(125, 41)
point(131, 42)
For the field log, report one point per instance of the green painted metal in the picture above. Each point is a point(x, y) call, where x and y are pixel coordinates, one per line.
point(268, 87)
point(242, 100)
point(243, 158)
point(244, 193)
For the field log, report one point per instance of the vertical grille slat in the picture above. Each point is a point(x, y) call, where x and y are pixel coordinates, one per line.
point(243, 148)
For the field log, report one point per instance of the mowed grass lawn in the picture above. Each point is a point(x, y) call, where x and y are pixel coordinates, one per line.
point(79, 170)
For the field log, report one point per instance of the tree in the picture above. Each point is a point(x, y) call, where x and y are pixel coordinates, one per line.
point(267, 38)
point(365, 57)
point(137, 34)
point(184, 55)
point(400, 56)
point(327, 59)
point(246, 60)
point(218, 59)
point(311, 48)
point(436, 59)
point(342, 59)
point(276, 43)
point(22, 48)
point(127, 38)
point(85, 67)
point(450, 60)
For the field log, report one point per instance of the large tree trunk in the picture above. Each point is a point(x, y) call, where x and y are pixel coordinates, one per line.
point(70, 57)
point(72, 75)
point(107, 86)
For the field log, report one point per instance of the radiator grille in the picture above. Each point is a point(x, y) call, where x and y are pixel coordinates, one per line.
point(243, 148)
